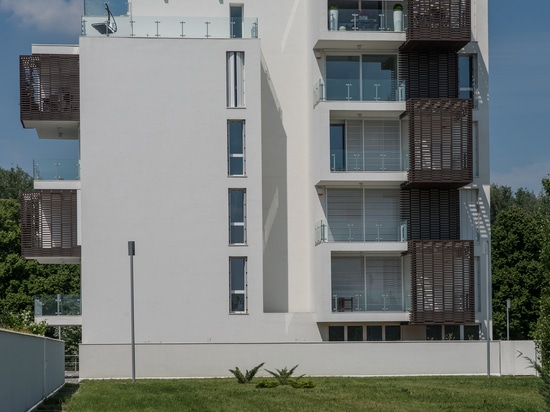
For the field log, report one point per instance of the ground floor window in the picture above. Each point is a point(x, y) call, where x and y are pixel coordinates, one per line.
point(237, 285)
point(358, 333)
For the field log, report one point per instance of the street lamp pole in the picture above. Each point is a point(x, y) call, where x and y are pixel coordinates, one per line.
point(131, 253)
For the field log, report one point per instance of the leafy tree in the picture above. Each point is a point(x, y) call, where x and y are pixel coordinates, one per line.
point(14, 181)
point(518, 273)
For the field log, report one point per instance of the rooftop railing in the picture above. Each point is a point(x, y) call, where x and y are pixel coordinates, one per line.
point(175, 27)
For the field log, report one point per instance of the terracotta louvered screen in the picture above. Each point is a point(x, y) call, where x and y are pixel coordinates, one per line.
point(431, 213)
point(438, 25)
point(442, 282)
point(49, 87)
point(440, 143)
point(429, 75)
point(49, 224)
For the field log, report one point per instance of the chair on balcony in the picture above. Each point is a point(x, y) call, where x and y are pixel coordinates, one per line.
point(345, 305)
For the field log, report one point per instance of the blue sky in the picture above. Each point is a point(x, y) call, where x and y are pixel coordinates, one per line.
point(519, 65)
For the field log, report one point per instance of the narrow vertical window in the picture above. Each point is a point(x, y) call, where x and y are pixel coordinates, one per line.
point(236, 20)
point(235, 79)
point(237, 285)
point(467, 77)
point(237, 216)
point(235, 148)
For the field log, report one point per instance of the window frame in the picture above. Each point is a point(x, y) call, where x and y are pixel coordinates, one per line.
point(237, 223)
point(230, 155)
point(235, 292)
point(235, 68)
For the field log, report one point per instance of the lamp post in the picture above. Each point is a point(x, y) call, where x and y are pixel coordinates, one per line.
point(131, 253)
point(508, 306)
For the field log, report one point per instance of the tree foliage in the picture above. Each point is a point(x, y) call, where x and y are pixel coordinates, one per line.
point(520, 269)
point(14, 181)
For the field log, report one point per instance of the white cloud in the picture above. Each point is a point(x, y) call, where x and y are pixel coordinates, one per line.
point(61, 16)
point(527, 176)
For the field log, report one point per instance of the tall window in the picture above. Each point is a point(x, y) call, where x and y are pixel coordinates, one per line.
point(235, 79)
point(366, 284)
point(370, 77)
point(236, 20)
point(237, 285)
point(235, 148)
point(369, 145)
point(467, 77)
point(237, 216)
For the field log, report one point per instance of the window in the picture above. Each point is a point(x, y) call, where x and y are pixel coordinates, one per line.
point(467, 77)
point(236, 20)
point(433, 332)
point(364, 146)
point(393, 332)
point(471, 332)
point(237, 285)
point(366, 284)
point(336, 333)
point(235, 79)
point(355, 333)
point(363, 215)
point(374, 333)
point(452, 332)
point(235, 148)
point(370, 77)
point(237, 216)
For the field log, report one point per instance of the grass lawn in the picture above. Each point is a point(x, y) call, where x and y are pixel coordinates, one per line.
point(330, 394)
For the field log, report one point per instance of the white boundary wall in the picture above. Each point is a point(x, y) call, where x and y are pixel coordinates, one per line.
point(315, 359)
point(31, 368)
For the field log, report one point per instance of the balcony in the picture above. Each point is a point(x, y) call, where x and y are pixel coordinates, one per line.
point(442, 282)
point(58, 310)
point(50, 94)
point(361, 16)
point(372, 230)
point(440, 143)
point(438, 25)
point(56, 169)
point(49, 226)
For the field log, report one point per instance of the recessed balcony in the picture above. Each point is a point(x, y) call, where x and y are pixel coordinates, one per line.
point(367, 16)
point(50, 94)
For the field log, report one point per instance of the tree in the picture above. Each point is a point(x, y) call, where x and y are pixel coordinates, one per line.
point(14, 181)
point(518, 273)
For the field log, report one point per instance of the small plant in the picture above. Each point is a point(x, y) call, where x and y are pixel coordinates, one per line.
point(333, 7)
point(283, 375)
point(301, 384)
point(398, 7)
point(248, 375)
point(267, 383)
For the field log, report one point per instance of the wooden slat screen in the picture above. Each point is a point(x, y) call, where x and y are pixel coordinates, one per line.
point(442, 282)
point(429, 75)
point(438, 25)
point(440, 143)
point(431, 213)
point(49, 87)
point(49, 224)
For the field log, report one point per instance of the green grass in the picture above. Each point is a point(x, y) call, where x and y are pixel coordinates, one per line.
point(330, 394)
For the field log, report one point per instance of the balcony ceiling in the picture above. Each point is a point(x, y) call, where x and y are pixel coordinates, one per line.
point(53, 129)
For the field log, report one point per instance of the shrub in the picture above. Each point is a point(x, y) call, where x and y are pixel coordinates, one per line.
point(283, 375)
point(248, 375)
point(301, 384)
point(267, 383)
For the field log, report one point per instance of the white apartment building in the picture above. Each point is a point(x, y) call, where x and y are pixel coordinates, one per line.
point(296, 175)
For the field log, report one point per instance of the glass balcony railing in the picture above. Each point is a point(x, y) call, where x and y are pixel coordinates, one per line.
point(175, 27)
point(57, 305)
point(56, 169)
point(361, 15)
point(372, 301)
point(381, 230)
point(370, 161)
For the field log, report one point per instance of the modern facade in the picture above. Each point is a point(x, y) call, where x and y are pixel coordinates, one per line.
point(290, 171)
